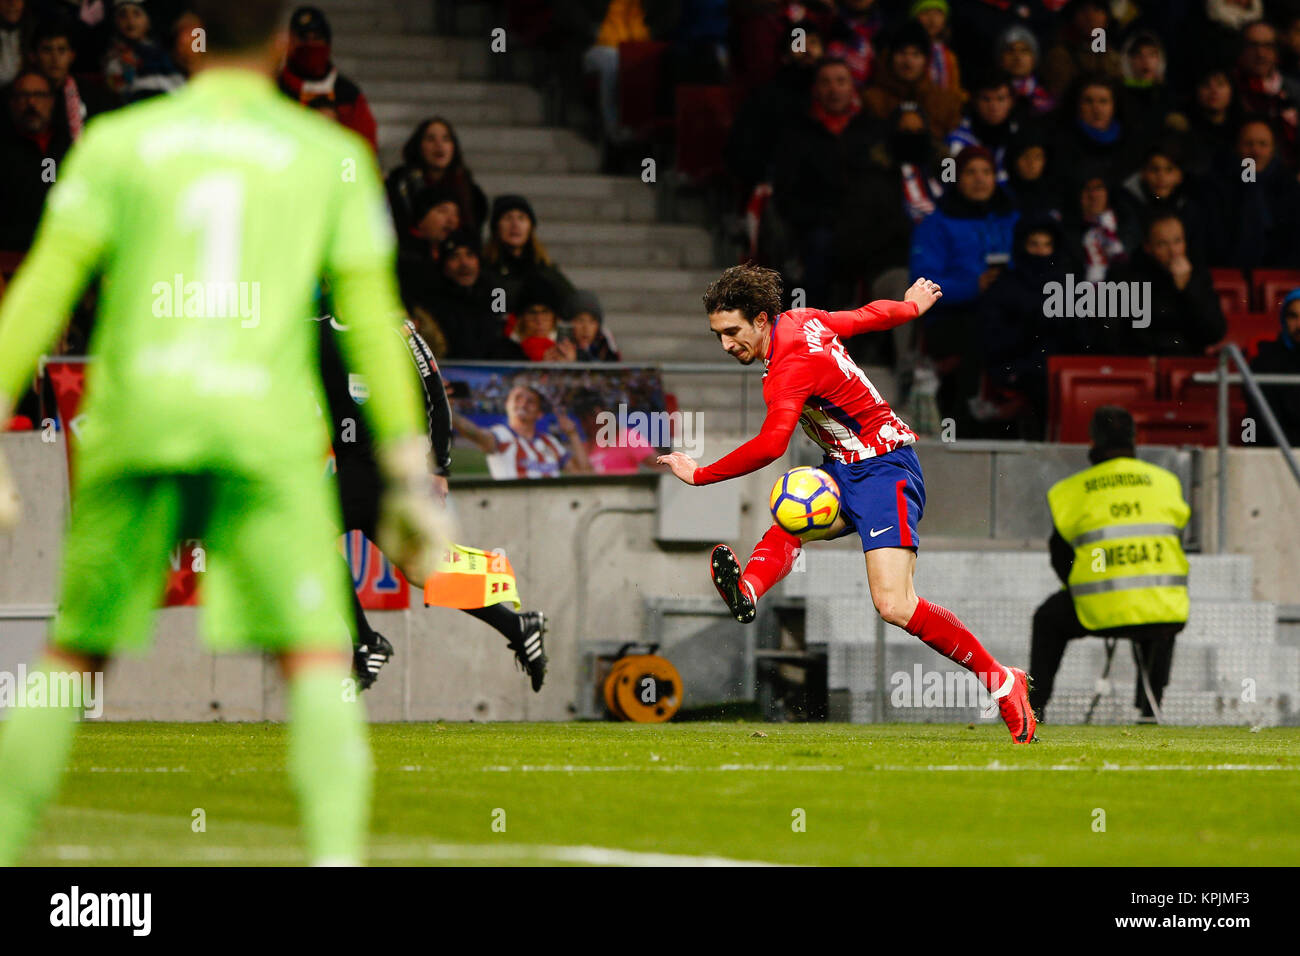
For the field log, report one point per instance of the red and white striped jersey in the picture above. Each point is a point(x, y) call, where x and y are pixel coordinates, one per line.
point(542, 456)
point(812, 381)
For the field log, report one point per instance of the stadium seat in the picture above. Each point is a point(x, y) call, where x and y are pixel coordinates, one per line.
point(640, 78)
point(9, 263)
point(702, 122)
point(1271, 287)
point(1247, 329)
point(1177, 385)
point(1079, 384)
point(1232, 289)
point(1174, 423)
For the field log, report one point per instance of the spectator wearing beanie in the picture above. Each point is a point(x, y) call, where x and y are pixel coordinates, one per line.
point(309, 72)
point(1281, 357)
point(1147, 100)
point(514, 253)
point(1017, 55)
point(135, 67)
point(945, 74)
point(905, 78)
point(432, 157)
point(1015, 335)
point(537, 311)
point(420, 246)
point(592, 343)
point(463, 302)
point(968, 237)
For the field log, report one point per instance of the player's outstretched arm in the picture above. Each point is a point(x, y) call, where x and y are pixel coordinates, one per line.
point(760, 451)
point(481, 438)
point(680, 464)
point(884, 314)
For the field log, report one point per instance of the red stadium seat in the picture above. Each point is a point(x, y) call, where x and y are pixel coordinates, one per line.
point(703, 120)
point(9, 263)
point(1079, 384)
point(1271, 287)
point(1177, 385)
point(1247, 329)
point(1233, 291)
point(1174, 423)
point(640, 77)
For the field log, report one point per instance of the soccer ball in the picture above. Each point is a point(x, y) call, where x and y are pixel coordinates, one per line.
point(805, 499)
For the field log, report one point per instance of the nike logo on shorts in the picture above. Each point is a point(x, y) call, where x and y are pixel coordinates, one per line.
point(874, 532)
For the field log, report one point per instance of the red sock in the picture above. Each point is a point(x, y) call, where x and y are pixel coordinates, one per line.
point(939, 628)
point(772, 560)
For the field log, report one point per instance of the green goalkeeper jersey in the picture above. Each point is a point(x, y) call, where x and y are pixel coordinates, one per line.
point(211, 215)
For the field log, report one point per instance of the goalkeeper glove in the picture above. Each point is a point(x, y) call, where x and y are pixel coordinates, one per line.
point(412, 528)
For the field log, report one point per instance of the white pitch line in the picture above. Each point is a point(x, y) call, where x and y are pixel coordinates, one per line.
point(429, 852)
point(1070, 767)
point(661, 768)
point(994, 767)
point(883, 768)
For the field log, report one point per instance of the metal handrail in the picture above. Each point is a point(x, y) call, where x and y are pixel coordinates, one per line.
point(1251, 381)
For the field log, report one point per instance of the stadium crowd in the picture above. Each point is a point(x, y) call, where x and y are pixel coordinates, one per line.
point(62, 63)
point(996, 147)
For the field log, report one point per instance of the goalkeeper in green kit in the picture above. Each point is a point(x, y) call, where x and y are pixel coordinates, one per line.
point(211, 215)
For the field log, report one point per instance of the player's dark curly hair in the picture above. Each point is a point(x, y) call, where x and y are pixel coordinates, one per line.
point(749, 288)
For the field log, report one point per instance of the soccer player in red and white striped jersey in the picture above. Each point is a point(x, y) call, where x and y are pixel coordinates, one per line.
point(812, 381)
point(517, 449)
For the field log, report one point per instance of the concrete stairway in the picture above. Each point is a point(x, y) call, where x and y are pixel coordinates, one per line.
point(601, 230)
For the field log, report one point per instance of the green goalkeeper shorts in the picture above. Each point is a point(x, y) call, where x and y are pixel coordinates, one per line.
point(273, 578)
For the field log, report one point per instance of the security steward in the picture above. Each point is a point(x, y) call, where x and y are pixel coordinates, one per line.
point(1116, 546)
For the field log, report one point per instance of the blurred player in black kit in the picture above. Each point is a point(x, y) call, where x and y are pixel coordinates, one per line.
point(359, 487)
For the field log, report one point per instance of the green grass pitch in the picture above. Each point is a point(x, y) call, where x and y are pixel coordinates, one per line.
point(693, 793)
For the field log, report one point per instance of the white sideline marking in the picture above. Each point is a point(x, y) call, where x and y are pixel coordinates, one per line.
point(1141, 768)
point(665, 768)
point(435, 852)
point(995, 766)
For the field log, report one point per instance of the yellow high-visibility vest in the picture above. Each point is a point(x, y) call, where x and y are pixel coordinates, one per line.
point(1124, 518)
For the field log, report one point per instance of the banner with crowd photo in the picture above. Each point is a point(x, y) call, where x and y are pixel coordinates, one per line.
point(619, 414)
point(379, 585)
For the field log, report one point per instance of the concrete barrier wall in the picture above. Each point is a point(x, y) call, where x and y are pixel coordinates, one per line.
point(589, 567)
